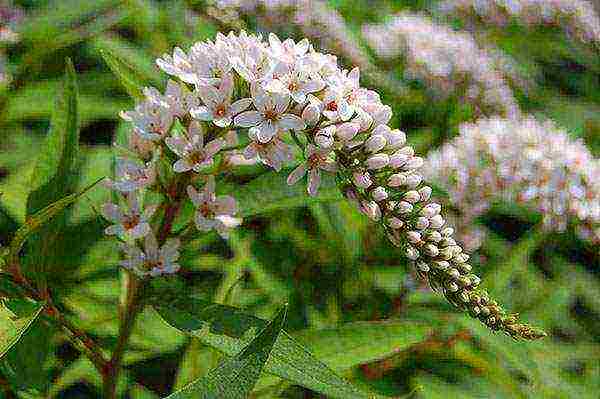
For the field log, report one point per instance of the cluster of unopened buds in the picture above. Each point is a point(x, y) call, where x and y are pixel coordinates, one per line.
point(284, 99)
point(577, 17)
point(524, 161)
point(451, 62)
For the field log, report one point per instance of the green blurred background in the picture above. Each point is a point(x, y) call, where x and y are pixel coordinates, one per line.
point(333, 267)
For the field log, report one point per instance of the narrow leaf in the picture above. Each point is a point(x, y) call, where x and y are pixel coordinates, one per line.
point(228, 330)
point(38, 220)
point(235, 377)
point(129, 79)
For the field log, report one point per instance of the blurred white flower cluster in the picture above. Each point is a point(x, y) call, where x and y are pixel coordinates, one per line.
point(451, 62)
point(577, 17)
point(10, 17)
point(275, 95)
point(523, 161)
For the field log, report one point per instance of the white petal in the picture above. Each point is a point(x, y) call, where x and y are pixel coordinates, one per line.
point(248, 119)
point(112, 212)
point(139, 231)
point(289, 121)
point(182, 166)
point(203, 113)
point(223, 122)
point(240, 105)
point(266, 131)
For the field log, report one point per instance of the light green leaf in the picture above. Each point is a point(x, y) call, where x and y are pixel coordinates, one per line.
point(228, 330)
point(129, 78)
point(270, 192)
point(12, 328)
point(235, 377)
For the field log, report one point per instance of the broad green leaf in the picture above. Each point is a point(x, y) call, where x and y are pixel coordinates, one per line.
point(235, 377)
point(353, 344)
point(12, 328)
point(228, 330)
point(35, 222)
point(270, 192)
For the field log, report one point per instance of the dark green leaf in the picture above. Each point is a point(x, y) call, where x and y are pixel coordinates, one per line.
point(13, 327)
point(228, 330)
point(235, 377)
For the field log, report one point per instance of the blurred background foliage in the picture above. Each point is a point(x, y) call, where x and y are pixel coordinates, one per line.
point(333, 268)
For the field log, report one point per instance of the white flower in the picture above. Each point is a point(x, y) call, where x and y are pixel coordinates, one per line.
point(317, 159)
point(270, 116)
point(129, 223)
point(213, 212)
point(177, 65)
point(152, 261)
point(131, 176)
point(151, 120)
point(274, 153)
point(177, 99)
point(293, 80)
point(194, 154)
point(288, 51)
point(218, 107)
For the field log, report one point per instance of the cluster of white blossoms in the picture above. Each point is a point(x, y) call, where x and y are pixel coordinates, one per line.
point(449, 61)
point(280, 99)
point(10, 17)
point(524, 161)
point(577, 17)
point(317, 21)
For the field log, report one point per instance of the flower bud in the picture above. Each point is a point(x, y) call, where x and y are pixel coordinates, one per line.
point(436, 222)
point(413, 237)
point(379, 194)
point(425, 193)
point(422, 266)
point(378, 161)
point(404, 207)
point(346, 131)
point(397, 180)
point(412, 253)
point(414, 163)
point(431, 250)
point(395, 223)
point(371, 209)
point(412, 196)
point(422, 223)
point(413, 180)
point(324, 137)
point(362, 179)
point(375, 143)
point(430, 210)
point(311, 114)
point(434, 235)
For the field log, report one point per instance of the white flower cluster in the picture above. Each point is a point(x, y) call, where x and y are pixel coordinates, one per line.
point(275, 93)
point(577, 17)
point(524, 161)
point(451, 62)
point(318, 22)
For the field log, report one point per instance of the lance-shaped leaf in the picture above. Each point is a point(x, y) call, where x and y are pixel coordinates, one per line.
point(229, 330)
point(35, 222)
point(235, 377)
point(131, 81)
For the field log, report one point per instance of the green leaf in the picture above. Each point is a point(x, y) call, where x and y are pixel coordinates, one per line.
point(229, 330)
point(13, 327)
point(235, 377)
point(40, 219)
point(130, 80)
point(270, 192)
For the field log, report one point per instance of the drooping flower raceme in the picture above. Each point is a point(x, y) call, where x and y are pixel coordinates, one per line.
point(450, 61)
point(577, 17)
point(526, 161)
point(298, 97)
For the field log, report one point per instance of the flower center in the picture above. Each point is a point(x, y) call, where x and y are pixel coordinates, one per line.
point(196, 157)
point(129, 222)
point(206, 211)
point(220, 111)
point(271, 115)
point(332, 106)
